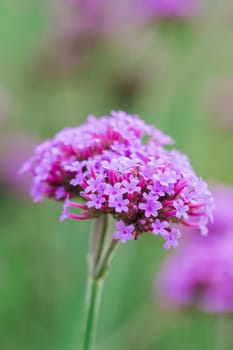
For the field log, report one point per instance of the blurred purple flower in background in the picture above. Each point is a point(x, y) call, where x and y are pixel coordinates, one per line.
point(223, 218)
point(14, 148)
point(77, 26)
point(96, 17)
point(106, 163)
point(200, 273)
point(169, 8)
point(4, 105)
point(220, 104)
point(79, 16)
point(74, 30)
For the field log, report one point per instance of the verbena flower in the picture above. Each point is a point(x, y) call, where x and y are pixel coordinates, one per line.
point(111, 169)
point(200, 273)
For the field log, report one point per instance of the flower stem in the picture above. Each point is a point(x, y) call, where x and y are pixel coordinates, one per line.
point(92, 302)
point(104, 264)
point(102, 239)
point(97, 241)
point(99, 260)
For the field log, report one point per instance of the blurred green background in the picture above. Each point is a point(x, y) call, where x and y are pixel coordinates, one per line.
point(178, 75)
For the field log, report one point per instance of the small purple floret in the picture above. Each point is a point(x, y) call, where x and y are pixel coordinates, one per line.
point(124, 233)
point(159, 227)
point(181, 209)
point(151, 205)
point(171, 238)
point(96, 201)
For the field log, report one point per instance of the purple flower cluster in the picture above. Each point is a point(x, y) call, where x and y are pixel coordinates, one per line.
point(200, 273)
point(108, 164)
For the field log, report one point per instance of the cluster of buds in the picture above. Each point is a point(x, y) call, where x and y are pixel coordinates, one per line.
point(118, 165)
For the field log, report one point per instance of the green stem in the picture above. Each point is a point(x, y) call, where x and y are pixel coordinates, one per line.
point(104, 264)
point(97, 241)
point(98, 265)
point(92, 302)
point(103, 235)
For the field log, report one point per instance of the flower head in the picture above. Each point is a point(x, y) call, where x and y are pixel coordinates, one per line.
point(201, 272)
point(106, 164)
